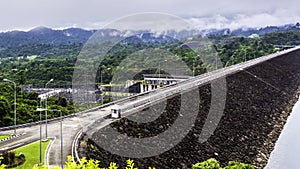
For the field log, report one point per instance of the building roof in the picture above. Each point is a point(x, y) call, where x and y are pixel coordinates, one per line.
point(165, 76)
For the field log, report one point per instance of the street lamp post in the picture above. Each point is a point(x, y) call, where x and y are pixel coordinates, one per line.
point(216, 62)
point(101, 84)
point(40, 110)
point(193, 69)
point(46, 113)
point(159, 67)
point(15, 103)
point(61, 142)
point(61, 135)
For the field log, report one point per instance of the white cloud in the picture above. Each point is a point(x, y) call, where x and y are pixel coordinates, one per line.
point(24, 14)
point(244, 20)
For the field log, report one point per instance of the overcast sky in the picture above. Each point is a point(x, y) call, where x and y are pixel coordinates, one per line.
point(92, 14)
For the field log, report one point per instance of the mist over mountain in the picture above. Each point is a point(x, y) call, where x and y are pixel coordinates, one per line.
point(44, 35)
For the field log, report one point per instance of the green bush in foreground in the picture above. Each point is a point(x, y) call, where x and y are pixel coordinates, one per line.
point(214, 164)
point(94, 164)
point(236, 165)
point(208, 164)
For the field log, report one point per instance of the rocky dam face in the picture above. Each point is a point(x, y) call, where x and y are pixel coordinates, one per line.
point(258, 102)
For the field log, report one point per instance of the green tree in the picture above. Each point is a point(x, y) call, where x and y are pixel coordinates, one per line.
point(4, 109)
point(21, 77)
point(32, 96)
point(62, 101)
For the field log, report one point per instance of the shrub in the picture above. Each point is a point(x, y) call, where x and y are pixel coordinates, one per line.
point(208, 164)
point(8, 158)
point(21, 155)
point(2, 166)
point(236, 165)
point(94, 164)
point(214, 164)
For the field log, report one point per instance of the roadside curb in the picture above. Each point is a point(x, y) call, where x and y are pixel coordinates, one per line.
point(46, 157)
point(75, 156)
point(18, 145)
point(11, 137)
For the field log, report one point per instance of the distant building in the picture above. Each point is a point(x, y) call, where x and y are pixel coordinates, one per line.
point(154, 81)
point(149, 82)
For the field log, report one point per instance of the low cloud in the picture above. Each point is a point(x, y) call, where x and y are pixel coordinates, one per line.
point(93, 14)
point(243, 20)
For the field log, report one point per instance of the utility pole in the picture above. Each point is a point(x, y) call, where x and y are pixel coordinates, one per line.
point(101, 81)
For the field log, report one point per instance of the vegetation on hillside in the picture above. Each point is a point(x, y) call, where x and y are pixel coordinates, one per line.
point(35, 64)
point(27, 103)
point(282, 38)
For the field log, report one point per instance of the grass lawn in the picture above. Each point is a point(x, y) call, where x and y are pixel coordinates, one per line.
point(4, 137)
point(32, 154)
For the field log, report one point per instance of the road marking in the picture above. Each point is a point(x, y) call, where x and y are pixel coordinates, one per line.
point(74, 147)
point(46, 158)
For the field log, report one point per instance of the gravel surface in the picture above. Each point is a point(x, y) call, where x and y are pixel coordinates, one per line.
point(259, 100)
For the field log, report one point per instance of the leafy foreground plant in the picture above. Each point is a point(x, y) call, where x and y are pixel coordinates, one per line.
point(214, 164)
point(94, 164)
point(90, 164)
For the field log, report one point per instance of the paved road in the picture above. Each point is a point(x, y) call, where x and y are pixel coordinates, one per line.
point(72, 125)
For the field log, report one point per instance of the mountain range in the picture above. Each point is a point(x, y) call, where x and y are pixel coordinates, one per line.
point(44, 35)
point(258, 31)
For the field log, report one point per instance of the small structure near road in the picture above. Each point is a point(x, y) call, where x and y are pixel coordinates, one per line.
point(116, 111)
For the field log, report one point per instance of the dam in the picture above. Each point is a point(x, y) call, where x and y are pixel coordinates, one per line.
point(259, 100)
